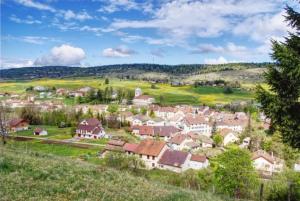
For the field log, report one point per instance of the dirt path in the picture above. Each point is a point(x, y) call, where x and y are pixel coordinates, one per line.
point(62, 142)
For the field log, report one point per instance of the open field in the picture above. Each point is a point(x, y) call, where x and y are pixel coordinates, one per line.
point(171, 95)
point(245, 76)
point(37, 176)
point(53, 132)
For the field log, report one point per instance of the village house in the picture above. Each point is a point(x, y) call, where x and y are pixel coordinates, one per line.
point(198, 162)
point(156, 121)
point(150, 151)
point(143, 100)
point(18, 124)
point(113, 146)
point(205, 142)
point(130, 148)
point(178, 142)
point(236, 122)
point(164, 112)
point(39, 88)
point(139, 120)
point(265, 163)
point(61, 92)
point(163, 132)
point(197, 123)
point(76, 94)
point(229, 136)
point(91, 129)
point(173, 160)
point(40, 131)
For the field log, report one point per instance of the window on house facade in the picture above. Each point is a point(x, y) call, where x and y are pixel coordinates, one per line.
point(153, 157)
point(148, 156)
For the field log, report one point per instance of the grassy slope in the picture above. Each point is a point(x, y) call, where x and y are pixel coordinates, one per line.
point(172, 95)
point(33, 176)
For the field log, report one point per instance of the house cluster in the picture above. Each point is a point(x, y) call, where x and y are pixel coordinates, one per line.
point(142, 100)
point(157, 154)
point(91, 129)
point(186, 127)
point(42, 106)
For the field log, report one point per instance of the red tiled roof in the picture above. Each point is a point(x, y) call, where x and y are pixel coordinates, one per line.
point(178, 139)
point(173, 158)
point(263, 154)
point(198, 158)
point(195, 119)
point(150, 147)
point(130, 147)
point(146, 130)
point(164, 131)
point(93, 121)
point(16, 122)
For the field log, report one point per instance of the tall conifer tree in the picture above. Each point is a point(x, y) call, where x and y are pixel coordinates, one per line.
point(281, 103)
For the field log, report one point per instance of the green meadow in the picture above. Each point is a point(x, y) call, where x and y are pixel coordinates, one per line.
point(171, 95)
point(33, 175)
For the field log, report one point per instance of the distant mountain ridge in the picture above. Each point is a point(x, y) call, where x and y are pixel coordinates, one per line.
point(121, 70)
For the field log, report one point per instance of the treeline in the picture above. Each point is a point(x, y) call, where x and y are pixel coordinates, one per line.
point(108, 95)
point(125, 71)
point(70, 118)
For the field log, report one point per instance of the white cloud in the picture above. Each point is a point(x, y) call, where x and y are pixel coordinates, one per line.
point(15, 63)
point(263, 27)
point(69, 15)
point(117, 5)
point(36, 5)
point(230, 48)
point(28, 20)
point(181, 19)
point(62, 55)
point(220, 60)
point(121, 51)
point(38, 40)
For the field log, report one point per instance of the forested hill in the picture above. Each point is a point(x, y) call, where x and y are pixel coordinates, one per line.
point(121, 70)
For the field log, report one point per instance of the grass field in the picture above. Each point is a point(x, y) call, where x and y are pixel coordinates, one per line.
point(38, 176)
point(171, 95)
point(53, 132)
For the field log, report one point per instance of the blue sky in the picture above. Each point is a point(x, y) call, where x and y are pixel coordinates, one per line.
point(99, 32)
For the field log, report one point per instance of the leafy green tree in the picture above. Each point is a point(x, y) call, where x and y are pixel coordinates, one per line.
point(73, 131)
point(152, 114)
point(228, 90)
point(281, 103)
point(218, 139)
point(234, 173)
point(144, 110)
point(113, 108)
point(106, 81)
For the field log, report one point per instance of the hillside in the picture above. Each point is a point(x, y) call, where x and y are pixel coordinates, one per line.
point(129, 71)
point(36, 176)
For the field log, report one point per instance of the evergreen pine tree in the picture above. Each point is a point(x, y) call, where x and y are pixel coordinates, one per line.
point(281, 103)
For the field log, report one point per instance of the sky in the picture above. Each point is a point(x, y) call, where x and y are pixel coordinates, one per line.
point(100, 32)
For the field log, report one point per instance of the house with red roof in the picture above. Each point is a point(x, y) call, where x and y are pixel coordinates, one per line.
point(229, 136)
point(18, 124)
point(173, 160)
point(197, 123)
point(162, 132)
point(143, 100)
point(90, 128)
point(150, 151)
point(198, 162)
point(265, 163)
